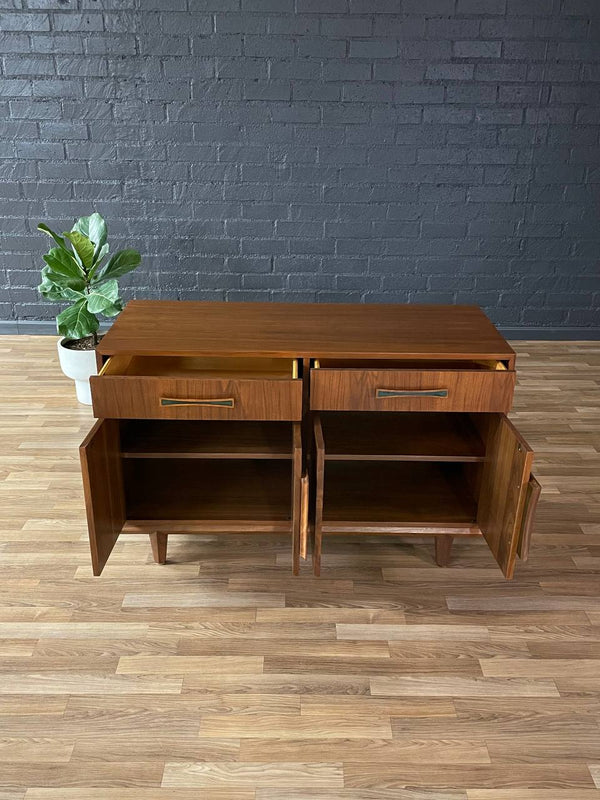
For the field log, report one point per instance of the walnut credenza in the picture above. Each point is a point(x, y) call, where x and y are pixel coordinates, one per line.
point(307, 420)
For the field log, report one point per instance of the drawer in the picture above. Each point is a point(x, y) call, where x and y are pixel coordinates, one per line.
point(485, 387)
point(147, 387)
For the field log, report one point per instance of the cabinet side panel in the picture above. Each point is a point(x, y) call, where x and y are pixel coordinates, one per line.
point(503, 490)
point(103, 489)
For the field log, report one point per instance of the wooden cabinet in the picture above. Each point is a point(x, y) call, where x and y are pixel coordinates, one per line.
point(422, 474)
point(297, 419)
point(191, 477)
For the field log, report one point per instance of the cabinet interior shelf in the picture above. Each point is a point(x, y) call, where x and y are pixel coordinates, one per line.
point(253, 492)
point(397, 495)
point(206, 440)
point(411, 436)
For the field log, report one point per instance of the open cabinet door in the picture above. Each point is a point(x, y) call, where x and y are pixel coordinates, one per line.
point(103, 489)
point(504, 488)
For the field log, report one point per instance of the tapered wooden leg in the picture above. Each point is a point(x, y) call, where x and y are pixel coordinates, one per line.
point(159, 547)
point(317, 539)
point(443, 548)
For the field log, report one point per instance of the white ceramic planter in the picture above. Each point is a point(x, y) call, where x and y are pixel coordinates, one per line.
point(78, 365)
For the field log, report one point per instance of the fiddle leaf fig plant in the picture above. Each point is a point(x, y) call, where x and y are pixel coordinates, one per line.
point(76, 273)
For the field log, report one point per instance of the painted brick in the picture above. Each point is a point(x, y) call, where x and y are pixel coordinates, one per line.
point(296, 24)
point(481, 6)
point(323, 150)
point(24, 22)
point(500, 72)
point(77, 22)
point(429, 7)
point(15, 88)
point(451, 72)
point(373, 48)
point(399, 27)
point(477, 49)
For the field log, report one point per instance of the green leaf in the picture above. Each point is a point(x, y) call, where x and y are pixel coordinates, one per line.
point(71, 294)
point(94, 228)
point(53, 287)
point(122, 262)
point(98, 258)
point(64, 283)
point(83, 247)
point(50, 290)
point(58, 239)
point(102, 252)
point(112, 311)
point(61, 261)
point(76, 321)
point(103, 297)
point(58, 285)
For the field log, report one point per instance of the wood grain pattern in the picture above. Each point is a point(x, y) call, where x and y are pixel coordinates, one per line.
point(103, 487)
point(315, 330)
point(125, 396)
point(443, 550)
point(532, 497)
point(257, 774)
point(158, 542)
point(146, 793)
point(385, 679)
point(356, 390)
point(504, 485)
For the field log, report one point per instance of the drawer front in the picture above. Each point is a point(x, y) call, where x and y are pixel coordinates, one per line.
point(411, 390)
point(129, 397)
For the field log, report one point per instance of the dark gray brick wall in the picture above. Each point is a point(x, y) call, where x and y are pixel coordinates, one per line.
point(300, 150)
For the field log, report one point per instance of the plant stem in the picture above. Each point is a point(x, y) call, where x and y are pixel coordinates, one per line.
point(88, 290)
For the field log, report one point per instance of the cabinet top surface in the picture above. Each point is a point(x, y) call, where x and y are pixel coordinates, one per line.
point(315, 330)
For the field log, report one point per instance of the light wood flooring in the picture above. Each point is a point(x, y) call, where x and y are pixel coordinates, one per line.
point(219, 675)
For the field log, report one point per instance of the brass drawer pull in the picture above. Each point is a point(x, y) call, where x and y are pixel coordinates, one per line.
point(382, 394)
point(227, 402)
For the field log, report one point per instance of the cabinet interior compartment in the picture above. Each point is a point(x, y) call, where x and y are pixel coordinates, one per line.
point(201, 367)
point(402, 471)
point(208, 439)
point(398, 493)
point(425, 474)
point(201, 472)
point(401, 436)
point(207, 489)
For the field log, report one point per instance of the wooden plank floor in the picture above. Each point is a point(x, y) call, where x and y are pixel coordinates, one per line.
point(221, 676)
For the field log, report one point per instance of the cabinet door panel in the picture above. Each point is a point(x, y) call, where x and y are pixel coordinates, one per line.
point(504, 487)
point(103, 489)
